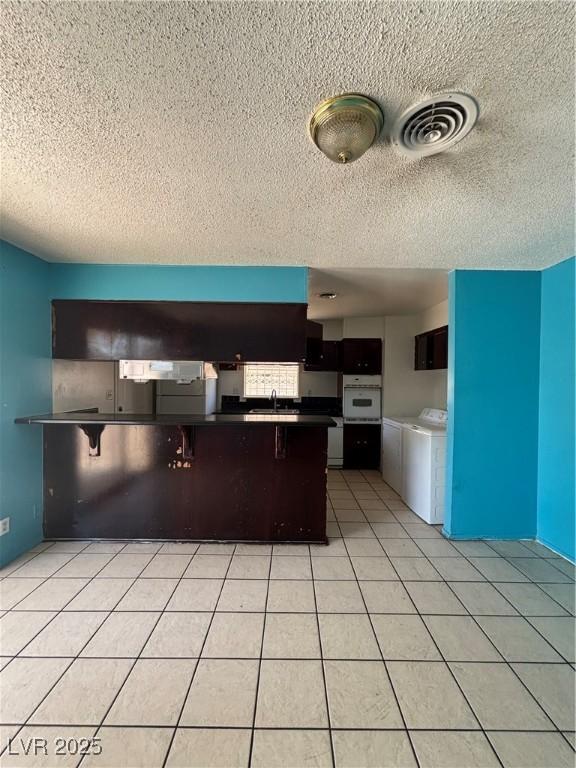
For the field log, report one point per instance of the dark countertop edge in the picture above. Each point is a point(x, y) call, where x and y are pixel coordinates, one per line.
point(213, 420)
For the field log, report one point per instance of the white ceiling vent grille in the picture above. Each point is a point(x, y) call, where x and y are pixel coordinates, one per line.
point(435, 124)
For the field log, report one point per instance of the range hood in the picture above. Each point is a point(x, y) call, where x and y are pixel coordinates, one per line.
point(180, 371)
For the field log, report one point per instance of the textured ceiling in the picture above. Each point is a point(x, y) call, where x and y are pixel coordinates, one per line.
point(175, 132)
point(374, 292)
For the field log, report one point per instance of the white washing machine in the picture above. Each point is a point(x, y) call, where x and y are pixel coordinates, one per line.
point(424, 464)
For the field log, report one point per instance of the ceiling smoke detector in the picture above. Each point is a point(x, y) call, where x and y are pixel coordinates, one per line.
point(344, 127)
point(435, 124)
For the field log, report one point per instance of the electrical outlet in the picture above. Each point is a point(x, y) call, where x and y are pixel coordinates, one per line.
point(4, 525)
point(109, 394)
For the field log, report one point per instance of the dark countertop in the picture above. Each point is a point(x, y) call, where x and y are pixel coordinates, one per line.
point(213, 420)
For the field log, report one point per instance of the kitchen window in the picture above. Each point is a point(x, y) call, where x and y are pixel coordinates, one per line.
point(261, 378)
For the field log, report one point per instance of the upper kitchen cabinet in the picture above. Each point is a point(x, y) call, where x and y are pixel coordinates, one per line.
point(431, 350)
point(313, 344)
point(172, 330)
point(326, 358)
point(362, 356)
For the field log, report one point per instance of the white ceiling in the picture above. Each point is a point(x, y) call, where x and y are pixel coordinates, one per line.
point(175, 132)
point(374, 292)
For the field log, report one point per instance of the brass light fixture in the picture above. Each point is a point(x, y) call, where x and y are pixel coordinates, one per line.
point(344, 127)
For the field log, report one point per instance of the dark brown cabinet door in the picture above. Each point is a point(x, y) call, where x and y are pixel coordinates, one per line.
point(327, 359)
point(313, 345)
point(440, 348)
point(421, 352)
point(172, 330)
point(431, 350)
point(362, 446)
point(233, 489)
point(362, 356)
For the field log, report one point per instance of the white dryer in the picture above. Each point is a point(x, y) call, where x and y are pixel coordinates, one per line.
point(391, 455)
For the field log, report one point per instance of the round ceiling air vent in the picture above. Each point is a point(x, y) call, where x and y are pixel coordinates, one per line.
point(435, 124)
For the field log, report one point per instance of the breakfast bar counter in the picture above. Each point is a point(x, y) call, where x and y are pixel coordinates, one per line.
point(256, 477)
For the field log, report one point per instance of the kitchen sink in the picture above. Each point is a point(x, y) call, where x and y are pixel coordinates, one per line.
point(278, 411)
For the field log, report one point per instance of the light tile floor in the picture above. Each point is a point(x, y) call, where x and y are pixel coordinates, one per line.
point(390, 647)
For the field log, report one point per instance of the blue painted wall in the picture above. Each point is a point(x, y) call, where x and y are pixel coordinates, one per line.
point(186, 283)
point(25, 387)
point(557, 416)
point(493, 394)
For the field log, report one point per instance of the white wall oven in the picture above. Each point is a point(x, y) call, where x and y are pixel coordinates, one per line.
point(362, 399)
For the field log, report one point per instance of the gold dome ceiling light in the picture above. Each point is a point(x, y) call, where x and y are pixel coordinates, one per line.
point(344, 127)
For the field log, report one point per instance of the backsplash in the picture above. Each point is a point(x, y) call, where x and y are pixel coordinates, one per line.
point(332, 406)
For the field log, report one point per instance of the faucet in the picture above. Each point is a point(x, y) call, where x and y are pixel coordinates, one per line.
point(273, 397)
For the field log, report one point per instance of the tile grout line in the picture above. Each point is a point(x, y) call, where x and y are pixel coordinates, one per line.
point(447, 665)
point(139, 655)
point(320, 729)
point(326, 700)
point(502, 662)
point(77, 656)
point(72, 658)
point(62, 610)
point(406, 730)
point(33, 556)
point(517, 614)
point(257, 689)
point(23, 725)
point(177, 723)
point(509, 665)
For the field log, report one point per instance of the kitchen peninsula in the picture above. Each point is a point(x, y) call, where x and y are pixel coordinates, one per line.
point(224, 477)
point(171, 468)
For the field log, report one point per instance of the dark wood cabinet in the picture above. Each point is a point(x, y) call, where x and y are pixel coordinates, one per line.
point(362, 356)
point(326, 359)
point(362, 446)
point(313, 343)
point(172, 330)
point(233, 489)
point(431, 350)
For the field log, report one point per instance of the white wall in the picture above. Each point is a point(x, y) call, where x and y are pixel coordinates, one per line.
point(406, 391)
point(332, 329)
point(318, 384)
point(229, 383)
point(434, 317)
point(79, 384)
point(363, 328)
